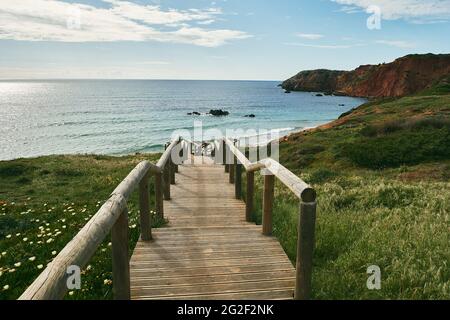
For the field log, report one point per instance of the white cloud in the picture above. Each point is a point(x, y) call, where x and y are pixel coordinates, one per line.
point(54, 20)
point(411, 10)
point(310, 36)
point(396, 43)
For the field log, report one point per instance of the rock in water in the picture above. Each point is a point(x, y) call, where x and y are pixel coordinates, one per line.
point(218, 113)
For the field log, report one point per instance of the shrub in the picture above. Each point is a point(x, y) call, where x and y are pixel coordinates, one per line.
point(311, 149)
point(405, 147)
point(13, 169)
point(322, 175)
point(395, 196)
point(398, 125)
point(68, 172)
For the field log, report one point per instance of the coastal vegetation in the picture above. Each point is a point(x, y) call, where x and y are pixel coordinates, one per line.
point(44, 202)
point(381, 172)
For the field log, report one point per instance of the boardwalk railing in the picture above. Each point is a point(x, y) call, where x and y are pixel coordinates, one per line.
point(307, 205)
point(113, 217)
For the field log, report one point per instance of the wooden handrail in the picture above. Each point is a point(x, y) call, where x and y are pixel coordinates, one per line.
point(51, 283)
point(166, 155)
point(112, 217)
point(299, 187)
point(307, 215)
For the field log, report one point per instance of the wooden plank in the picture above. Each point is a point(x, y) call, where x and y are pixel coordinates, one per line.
point(214, 255)
point(215, 288)
point(218, 270)
point(209, 250)
point(201, 279)
point(202, 263)
point(207, 242)
point(282, 294)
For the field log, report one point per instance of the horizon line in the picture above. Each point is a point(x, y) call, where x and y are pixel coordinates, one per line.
point(131, 79)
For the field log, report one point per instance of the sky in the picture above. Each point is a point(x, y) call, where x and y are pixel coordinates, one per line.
point(212, 40)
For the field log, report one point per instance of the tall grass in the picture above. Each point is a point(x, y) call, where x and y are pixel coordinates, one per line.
point(369, 220)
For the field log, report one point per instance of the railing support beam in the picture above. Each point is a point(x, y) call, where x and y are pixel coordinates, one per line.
point(159, 195)
point(166, 175)
point(172, 171)
point(250, 195)
point(224, 154)
point(227, 158)
point(305, 249)
point(232, 168)
point(120, 262)
point(269, 188)
point(144, 206)
point(238, 181)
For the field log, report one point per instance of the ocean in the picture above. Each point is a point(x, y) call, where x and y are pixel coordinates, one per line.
point(117, 117)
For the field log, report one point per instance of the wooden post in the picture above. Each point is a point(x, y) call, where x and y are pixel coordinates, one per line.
point(180, 156)
point(224, 153)
point(159, 195)
point(167, 181)
point(305, 248)
point(120, 262)
point(250, 195)
point(269, 187)
point(231, 168)
point(226, 156)
point(172, 170)
point(238, 181)
point(144, 206)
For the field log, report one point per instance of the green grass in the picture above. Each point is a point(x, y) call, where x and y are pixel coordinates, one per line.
point(44, 202)
point(365, 220)
point(382, 175)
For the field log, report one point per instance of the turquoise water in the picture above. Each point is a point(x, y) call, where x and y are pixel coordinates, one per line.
point(128, 116)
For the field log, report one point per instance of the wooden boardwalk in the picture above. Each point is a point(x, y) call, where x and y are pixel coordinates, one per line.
point(208, 250)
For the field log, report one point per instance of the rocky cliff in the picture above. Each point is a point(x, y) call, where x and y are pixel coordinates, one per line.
point(404, 76)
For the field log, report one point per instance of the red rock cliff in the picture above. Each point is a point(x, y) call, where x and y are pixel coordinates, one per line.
point(404, 76)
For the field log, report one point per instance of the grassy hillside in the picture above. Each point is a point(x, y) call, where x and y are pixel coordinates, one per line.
point(382, 175)
point(44, 202)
